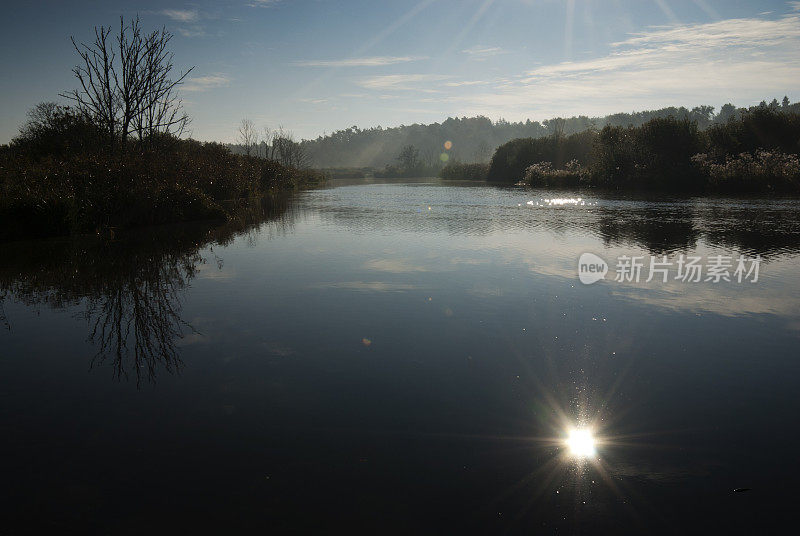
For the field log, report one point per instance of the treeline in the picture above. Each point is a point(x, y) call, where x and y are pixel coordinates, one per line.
point(474, 140)
point(114, 158)
point(754, 150)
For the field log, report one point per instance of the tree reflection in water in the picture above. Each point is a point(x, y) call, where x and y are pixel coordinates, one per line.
point(132, 289)
point(136, 313)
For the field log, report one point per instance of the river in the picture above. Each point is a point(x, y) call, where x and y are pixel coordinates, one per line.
point(409, 357)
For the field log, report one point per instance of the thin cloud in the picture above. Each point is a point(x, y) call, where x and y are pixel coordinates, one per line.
point(682, 63)
point(204, 83)
point(736, 33)
point(482, 53)
point(264, 3)
point(794, 6)
point(373, 61)
point(465, 83)
point(188, 22)
point(734, 45)
point(192, 31)
point(181, 15)
point(401, 81)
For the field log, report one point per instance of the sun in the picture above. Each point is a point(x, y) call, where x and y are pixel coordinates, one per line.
point(581, 443)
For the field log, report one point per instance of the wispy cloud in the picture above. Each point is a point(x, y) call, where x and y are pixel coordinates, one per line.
point(192, 31)
point(737, 33)
point(794, 6)
point(481, 53)
point(465, 83)
point(401, 81)
point(264, 3)
point(188, 22)
point(181, 15)
point(373, 61)
point(204, 83)
point(679, 63)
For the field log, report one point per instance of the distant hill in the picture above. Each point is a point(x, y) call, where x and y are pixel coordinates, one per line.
point(474, 139)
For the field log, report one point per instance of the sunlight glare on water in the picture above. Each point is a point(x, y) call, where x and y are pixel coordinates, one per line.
point(581, 443)
point(559, 202)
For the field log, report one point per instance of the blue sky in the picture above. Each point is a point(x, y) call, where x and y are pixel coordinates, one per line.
point(315, 66)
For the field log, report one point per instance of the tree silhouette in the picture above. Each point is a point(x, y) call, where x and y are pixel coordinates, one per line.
point(127, 86)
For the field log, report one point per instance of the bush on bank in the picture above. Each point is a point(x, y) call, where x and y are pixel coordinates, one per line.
point(457, 170)
point(56, 179)
point(510, 160)
point(543, 174)
point(755, 151)
point(752, 172)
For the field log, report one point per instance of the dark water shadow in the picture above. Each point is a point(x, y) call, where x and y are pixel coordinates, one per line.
point(131, 289)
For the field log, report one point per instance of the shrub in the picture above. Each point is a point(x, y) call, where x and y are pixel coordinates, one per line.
point(175, 181)
point(762, 170)
point(512, 159)
point(456, 170)
point(543, 174)
point(55, 130)
point(656, 155)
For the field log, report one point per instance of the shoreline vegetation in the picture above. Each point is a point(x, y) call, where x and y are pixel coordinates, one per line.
point(70, 191)
point(756, 151)
point(752, 150)
point(114, 158)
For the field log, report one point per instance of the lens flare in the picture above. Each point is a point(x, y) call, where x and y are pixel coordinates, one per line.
point(448, 145)
point(581, 443)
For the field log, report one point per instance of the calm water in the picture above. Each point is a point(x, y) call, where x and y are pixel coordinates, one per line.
point(405, 358)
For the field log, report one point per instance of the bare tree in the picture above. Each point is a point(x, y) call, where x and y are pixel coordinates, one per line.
point(246, 135)
point(128, 86)
point(96, 97)
point(289, 152)
point(280, 145)
point(162, 109)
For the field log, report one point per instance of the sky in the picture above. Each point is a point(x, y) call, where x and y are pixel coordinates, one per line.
point(316, 66)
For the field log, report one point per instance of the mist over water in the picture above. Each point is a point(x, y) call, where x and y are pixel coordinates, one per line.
point(405, 357)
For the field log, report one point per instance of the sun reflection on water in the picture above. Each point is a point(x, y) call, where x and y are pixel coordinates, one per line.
point(581, 443)
point(559, 202)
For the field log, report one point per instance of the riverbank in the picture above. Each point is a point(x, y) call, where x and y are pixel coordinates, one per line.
point(757, 151)
point(63, 192)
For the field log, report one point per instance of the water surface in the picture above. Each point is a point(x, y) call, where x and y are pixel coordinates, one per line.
point(401, 357)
